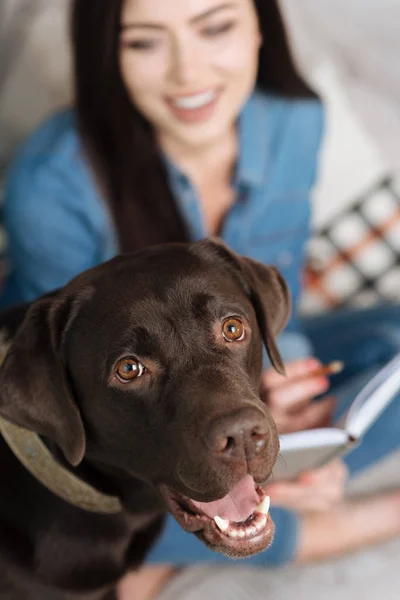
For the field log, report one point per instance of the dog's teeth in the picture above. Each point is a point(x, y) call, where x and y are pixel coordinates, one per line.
point(264, 506)
point(222, 524)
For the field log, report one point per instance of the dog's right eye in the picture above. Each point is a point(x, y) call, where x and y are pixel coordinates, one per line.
point(233, 330)
point(129, 369)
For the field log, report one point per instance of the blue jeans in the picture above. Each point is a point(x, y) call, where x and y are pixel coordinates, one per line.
point(365, 340)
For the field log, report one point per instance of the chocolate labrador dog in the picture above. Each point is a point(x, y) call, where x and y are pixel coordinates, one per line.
point(140, 380)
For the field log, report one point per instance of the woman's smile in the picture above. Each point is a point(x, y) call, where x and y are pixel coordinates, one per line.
point(191, 108)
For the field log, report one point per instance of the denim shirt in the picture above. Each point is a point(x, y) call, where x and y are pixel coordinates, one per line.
point(58, 225)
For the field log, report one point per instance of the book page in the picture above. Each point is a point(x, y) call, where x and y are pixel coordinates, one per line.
point(306, 450)
point(373, 399)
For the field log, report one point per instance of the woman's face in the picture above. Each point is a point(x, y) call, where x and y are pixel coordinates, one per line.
point(189, 65)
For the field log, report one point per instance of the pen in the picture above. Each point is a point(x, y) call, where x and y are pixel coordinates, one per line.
point(329, 369)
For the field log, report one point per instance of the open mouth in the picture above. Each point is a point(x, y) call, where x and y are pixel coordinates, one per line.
point(238, 525)
point(194, 107)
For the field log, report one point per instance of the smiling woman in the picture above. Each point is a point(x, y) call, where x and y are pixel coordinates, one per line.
point(172, 77)
point(191, 69)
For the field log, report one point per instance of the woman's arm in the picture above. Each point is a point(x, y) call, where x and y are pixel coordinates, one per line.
point(55, 224)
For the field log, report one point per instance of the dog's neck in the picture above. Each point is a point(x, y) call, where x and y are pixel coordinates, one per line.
point(37, 458)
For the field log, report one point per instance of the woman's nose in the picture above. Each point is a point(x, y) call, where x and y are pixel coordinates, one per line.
point(186, 63)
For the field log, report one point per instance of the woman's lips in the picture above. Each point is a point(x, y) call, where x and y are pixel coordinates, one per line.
point(194, 108)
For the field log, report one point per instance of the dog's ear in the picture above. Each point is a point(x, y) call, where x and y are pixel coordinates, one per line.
point(266, 289)
point(34, 390)
point(271, 299)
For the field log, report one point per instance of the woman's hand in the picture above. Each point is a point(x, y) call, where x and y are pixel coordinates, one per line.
point(289, 397)
point(290, 400)
point(316, 490)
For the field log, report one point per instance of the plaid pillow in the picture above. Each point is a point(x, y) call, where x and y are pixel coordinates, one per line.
point(355, 258)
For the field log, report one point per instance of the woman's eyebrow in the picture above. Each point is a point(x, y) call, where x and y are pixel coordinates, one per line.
point(193, 20)
point(212, 11)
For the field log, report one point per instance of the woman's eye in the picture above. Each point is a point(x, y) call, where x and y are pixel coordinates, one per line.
point(216, 30)
point(233, 330)
point(140, 45)
point(129, 369)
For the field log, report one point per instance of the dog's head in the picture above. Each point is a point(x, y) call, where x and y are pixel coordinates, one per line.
point(150, 365)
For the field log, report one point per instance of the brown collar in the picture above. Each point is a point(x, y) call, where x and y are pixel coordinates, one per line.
point(35, 456)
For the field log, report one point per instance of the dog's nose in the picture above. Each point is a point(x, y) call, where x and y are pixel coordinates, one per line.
point(243, 434)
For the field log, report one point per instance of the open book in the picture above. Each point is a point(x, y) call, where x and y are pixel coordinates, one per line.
point(313, 448)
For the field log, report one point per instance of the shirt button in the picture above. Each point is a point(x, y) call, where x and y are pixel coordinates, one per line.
point(285, 258)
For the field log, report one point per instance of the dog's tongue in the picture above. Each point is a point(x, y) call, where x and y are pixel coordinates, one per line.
point(237, 506)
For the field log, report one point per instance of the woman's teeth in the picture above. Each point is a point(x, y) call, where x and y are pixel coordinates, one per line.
point(196, 101)
point(240, 530)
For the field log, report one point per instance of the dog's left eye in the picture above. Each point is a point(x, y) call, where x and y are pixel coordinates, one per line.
point(129, 369)
point(233, 330)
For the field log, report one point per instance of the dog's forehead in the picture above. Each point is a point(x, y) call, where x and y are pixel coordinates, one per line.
point(138, 310)
point(163, 277)
point(158, 288)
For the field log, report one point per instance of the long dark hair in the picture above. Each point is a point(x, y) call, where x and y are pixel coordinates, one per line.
point(120, 144)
